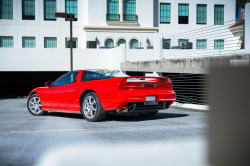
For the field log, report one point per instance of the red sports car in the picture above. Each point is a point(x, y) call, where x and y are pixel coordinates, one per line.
point(94, 93)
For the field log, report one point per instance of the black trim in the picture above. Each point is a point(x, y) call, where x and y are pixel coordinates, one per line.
point(26, 17)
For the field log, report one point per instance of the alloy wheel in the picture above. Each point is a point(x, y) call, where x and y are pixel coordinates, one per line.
point(89, 107)
point(35, 105)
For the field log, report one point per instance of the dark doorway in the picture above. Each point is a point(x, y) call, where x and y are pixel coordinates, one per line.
point(14, 84)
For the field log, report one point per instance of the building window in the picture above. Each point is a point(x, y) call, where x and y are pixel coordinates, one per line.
point(166, 43)
point(129, 10)
point(74, 41)
point(6, 41)
point(6, 9)
point(219, 44)
point(50, 42)
point(28, 9)
point(165, 13)
point(201, 44)
point(29, 42)
point(49, 9)
point(113, 10)
point(121, 41)
point(134, 44)
point(109, 43)
point(182, 41)
point(219, 14)
point(201, 14)
point(183, 13)
point(71, 7)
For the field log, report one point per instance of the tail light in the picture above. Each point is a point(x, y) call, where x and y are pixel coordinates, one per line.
point(146, 82)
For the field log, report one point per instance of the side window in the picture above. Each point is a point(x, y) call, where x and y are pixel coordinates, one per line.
point(68, 78)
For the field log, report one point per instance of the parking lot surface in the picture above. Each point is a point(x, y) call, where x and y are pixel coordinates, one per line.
point(25, 139)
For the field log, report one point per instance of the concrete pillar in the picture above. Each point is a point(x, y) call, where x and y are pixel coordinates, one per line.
point(121, 9)
point(158, 46)
point(247, 28)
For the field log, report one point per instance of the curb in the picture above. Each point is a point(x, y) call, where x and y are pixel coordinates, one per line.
point(190, 106)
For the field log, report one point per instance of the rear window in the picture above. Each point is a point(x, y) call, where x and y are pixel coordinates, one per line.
point(101, 74)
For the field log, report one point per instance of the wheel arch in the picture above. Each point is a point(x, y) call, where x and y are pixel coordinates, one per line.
point(83, 95)
point(32, 93)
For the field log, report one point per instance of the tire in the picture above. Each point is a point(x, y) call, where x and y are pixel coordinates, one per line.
point(92, 109)
point(34, 105)
point(148, 114)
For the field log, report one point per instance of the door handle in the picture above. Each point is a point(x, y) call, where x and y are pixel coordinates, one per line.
point(73, 91)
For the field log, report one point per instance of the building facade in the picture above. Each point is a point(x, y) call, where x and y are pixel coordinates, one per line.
point(32, 23)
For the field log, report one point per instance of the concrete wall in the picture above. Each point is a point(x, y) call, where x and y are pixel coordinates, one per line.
point(31, 59)
point(184, 65)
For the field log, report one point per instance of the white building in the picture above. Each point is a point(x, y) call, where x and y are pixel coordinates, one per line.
point(31, 36)
point(107, 19)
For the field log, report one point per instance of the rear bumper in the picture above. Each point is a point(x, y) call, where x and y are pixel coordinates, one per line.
point(138, 97)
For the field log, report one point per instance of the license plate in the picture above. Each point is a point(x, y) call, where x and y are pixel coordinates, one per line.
point(150, 98)
point(150, 103)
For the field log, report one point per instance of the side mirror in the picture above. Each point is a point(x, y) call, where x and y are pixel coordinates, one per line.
point(48, 84)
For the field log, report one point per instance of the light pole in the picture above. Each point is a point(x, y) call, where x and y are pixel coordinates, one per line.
point(70, 16)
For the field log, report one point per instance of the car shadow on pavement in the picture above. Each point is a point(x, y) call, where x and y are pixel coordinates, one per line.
point(136, 117)
point(121, 117)
point(65, 115)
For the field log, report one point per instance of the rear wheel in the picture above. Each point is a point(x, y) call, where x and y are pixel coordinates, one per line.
point(92, 109)
point(148, 114)
point(34, 105)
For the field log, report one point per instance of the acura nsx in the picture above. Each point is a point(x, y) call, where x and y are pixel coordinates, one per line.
point(95, 93)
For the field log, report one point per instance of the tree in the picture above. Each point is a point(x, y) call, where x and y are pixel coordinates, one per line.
point(238, 4)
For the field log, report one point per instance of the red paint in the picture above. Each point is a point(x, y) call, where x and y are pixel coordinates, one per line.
point(114, 93)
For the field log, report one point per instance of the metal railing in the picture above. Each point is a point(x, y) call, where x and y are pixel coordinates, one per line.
point(130, 17)
point(113, 17)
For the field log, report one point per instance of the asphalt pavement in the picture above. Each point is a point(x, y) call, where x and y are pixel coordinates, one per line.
point(26, 139)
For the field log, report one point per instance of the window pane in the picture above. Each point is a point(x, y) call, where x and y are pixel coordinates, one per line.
point(113, 10)
point(201, 44)
point(133, 43)
point(6, 9)
point(121, 41)
point(201, 14)
point(68, 78)
point(219, 44)
point(129, 10)
point(109, 43)
point(49, 9)
point(67, 42)
point(28, 9)
point(166, 43)
point(183, 13)
point(71, 7)
point(165, 13)
point(29, 42)
point(50, 42)
point(219, 14)
point(6, 41)
point(182, 41)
